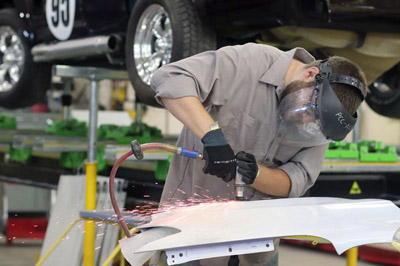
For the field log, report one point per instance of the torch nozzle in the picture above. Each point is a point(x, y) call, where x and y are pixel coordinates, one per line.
point(240, 186)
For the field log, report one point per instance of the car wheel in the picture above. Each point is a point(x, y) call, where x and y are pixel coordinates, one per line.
point(160, 32)
point(384, 93)
point(22, 82)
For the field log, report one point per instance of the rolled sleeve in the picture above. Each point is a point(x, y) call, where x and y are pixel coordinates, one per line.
point(192, 76)
point(179, 81)
point(213, 76)
point(304, 168)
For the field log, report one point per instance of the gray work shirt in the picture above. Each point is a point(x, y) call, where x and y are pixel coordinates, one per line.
point(239, 86)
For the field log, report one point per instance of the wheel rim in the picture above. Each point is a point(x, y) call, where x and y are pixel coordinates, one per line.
point(11, 58)
point(387, 87)
point(152, 46)
point(382, 89)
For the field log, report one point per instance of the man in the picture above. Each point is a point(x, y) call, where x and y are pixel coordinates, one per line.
point(263, 127)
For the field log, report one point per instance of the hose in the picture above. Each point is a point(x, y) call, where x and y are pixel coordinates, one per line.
point(112, 193)
point(137, 150)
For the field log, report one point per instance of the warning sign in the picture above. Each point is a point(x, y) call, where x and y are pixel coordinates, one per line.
point(355, 189)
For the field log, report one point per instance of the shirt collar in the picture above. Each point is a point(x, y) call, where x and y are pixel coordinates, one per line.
point(275, 75)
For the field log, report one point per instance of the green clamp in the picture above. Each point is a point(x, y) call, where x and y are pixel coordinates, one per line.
point(339, 150)
point(19, 155)
point(124, 134)
point(375, 151)
point(109, 132)
point(161, 168)
point(75, 160)
point(68, 128)
point(7, 122)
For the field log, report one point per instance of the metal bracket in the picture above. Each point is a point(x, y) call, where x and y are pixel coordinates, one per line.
point(185, 254)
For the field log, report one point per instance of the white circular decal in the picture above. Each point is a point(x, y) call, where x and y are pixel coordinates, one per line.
point(60, 16)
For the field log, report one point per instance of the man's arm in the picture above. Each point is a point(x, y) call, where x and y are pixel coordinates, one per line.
point(291, 179)
point(274, 182)
point(191, 113)
point(218, 155)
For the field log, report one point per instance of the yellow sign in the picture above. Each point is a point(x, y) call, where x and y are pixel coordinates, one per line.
point(355, 189)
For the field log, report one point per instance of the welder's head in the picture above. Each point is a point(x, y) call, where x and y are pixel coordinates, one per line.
point(323, 109)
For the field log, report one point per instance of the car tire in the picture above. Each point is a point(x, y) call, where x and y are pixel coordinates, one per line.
point(180, 34)
point(22, 82)
point(384, 94)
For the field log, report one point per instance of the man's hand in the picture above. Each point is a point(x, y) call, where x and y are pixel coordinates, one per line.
point(219, 156)
point(247, 166)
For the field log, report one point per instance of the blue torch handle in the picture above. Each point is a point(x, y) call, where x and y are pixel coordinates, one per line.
point(190, 153)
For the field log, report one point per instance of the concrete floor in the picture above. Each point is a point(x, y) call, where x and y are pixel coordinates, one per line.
point(21, 253)
point(26, 252)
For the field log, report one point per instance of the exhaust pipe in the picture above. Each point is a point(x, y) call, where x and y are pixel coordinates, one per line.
point(76, 48)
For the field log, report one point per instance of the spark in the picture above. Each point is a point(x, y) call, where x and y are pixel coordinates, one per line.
point(181, 191)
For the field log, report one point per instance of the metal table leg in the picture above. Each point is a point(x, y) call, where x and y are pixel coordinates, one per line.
point(91, 176)
point(94, 75)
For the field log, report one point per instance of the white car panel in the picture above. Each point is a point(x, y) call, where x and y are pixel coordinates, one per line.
point(343, 222)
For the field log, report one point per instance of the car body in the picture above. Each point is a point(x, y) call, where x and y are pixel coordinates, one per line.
point(142, 35)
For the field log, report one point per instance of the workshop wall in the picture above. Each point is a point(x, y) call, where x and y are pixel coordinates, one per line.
point(156, 117)
point(380, 128)
point(162, 119)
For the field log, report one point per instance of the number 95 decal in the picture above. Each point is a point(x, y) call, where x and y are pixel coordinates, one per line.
point(60, 15)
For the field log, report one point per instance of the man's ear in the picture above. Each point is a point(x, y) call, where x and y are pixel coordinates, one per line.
point(309, 73)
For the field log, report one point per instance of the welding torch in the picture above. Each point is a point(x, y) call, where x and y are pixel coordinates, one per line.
point(239, 184)
point(137, 151)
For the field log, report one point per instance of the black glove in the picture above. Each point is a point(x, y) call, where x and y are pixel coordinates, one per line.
point(219, 156)
point(247, 166)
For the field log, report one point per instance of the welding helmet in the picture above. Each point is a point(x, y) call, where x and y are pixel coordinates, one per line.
point(314, 115)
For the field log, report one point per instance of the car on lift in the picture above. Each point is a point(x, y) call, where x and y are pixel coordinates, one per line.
point(143, 35)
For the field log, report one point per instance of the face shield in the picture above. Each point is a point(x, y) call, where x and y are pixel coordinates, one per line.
point(298, 122)
point(314, 116)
